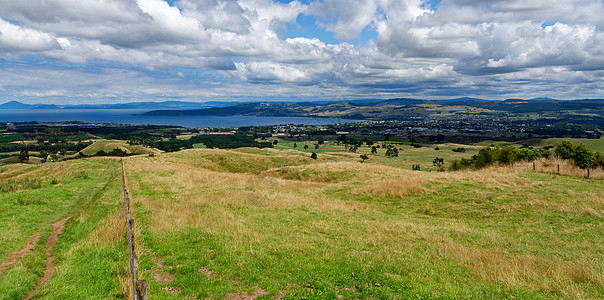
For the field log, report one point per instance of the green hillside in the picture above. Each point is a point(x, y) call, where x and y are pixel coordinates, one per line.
point(109, 145)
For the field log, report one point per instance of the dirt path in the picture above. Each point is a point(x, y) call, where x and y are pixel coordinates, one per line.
point(57, 228)
point(20, 253)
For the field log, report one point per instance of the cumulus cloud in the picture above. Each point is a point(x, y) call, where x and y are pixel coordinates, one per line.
point(459, 46)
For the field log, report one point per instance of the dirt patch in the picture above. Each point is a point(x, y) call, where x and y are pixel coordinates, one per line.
point(163, 278)
point(245, 296)
point(57, 228)
point(20, 253)
point(207, 272)
point(279, 295)
point(158, 275)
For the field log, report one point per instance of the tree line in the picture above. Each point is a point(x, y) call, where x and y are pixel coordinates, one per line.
point(579, 155)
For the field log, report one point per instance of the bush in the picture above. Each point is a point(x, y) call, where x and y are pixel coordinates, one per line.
point(565, 150)
point(599, 162)
point(584, 157)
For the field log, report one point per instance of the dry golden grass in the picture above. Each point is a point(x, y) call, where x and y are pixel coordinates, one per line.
point(551, 166)
point(198, 190)
point(521, 270)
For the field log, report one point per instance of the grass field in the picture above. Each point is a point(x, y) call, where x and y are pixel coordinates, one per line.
point(90, 254)
point(266, 223)
point(109, 145)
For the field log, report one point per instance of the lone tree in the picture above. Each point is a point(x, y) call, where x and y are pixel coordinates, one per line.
point(313, 155)
point(275, 142)
point(305, 147)
point(374, 149)
point(391, 151)
point(364, 157)
point(295, 145)
point(24, 156)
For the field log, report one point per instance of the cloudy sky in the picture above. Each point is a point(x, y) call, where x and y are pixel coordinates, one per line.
point(92, 51)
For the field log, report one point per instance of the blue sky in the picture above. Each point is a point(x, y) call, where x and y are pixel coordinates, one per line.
point(90, 51)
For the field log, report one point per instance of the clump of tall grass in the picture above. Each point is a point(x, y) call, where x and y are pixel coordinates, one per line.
point(25, 184)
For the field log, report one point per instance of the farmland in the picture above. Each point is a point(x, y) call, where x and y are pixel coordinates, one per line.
point(275, 223)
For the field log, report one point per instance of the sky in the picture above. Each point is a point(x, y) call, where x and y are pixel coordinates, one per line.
point(112, 51)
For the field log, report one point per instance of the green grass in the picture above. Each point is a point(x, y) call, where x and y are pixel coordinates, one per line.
point(109, 145)
point(85, 190)
point(322, 230)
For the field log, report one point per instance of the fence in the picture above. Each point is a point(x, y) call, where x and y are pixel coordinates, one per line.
point(139, 287)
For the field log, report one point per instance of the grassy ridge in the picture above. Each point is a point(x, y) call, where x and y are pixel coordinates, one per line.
point(109, 145)
point(270, 225)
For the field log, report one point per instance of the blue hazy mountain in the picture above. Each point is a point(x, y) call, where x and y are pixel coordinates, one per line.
point(130, 105)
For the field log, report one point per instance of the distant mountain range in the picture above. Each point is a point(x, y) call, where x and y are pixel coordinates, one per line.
point(129, 105)
point(361, 109)
point(399, 108)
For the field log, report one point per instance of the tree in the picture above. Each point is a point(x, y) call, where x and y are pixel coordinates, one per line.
point(391, 151)
point(439, 163)
point(295, 145)
point(584, 157)
point(313, 155)
point(316, 146)
point(566, 150)
point(275, 142)
point(374, 149)
point(364, 157)
point(506, 155)
point(24, 156)
point(305, 147)
point(353, 148)
point(485, 157)
point(44, 155)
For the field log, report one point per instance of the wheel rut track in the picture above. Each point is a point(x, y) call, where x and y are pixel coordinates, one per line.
point(20, 253)
point(57, 229)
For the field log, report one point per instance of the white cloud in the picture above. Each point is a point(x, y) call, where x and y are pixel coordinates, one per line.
point(17, 38)
point(461, 45)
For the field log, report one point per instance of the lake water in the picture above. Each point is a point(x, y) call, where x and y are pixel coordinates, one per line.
point(126, 116)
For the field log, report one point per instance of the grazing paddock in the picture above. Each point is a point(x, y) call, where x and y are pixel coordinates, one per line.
point(269, 223)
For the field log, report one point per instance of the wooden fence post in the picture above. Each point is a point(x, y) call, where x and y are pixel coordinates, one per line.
point(139, 287)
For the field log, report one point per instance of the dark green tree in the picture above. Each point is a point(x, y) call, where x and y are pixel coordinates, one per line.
point(391, 151)
point(313, 155)
point(584, 157)
point(506, 155)
point(24, 156)
point(364, 157)
point(565, 150)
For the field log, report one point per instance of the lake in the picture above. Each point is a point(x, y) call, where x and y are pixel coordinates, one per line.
point(126, 116)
